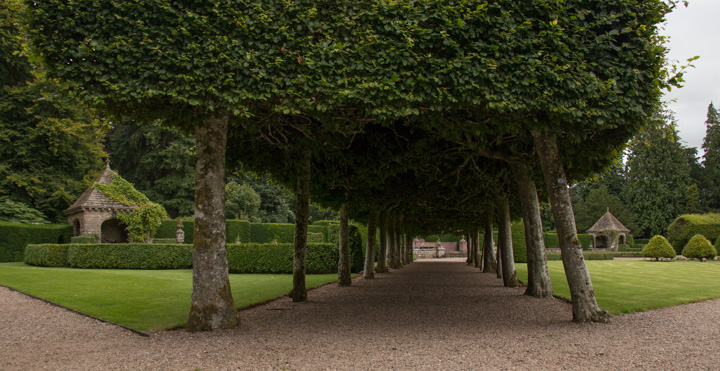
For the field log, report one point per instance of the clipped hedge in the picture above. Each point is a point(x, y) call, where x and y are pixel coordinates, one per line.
point(518, 241)
point(164, 241)
point(658, 247)
point(242, 258)
point(553, 242)
point(86, 238)
point(15, 236)
point(234, 230)
point(589, 255)
point(315, 237)
point(269, 232)
point(686, 226)
point(699, 248)
point(321, 258)
point(443, 238)
point(49, 255)
point(642, 241)
point(130, 256)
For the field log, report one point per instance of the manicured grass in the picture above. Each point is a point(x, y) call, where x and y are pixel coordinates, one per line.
point(145, 300)
point(626, 286)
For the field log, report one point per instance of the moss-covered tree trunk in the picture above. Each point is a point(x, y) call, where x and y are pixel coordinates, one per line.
point(584, 304)
point(212, 306)
point(505, 241)
point(302, 213)
point(369, 271)
point(344, 275)
point(382, 254)
point(489, 262)
point(538, 284)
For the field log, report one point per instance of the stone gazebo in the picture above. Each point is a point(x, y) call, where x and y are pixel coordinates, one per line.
point(608, 233)
point(94, 213)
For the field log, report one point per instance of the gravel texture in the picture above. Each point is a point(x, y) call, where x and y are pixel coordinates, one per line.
point(432, 314)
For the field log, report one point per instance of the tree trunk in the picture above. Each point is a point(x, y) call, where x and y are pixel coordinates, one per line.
point(302, 213)
point(498, 254)
point(538, 284)
point(505, 240)
point(476, 246)
point(584, 305)
point(212, 306)
point(489, 262)
point(409, 247)
point(382, 254)
point(403, 245)
point(469, 248)
point(393, 235)
point(344, 275)
point(369, 271)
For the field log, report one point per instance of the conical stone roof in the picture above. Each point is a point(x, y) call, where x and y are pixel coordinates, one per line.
point(608, 223)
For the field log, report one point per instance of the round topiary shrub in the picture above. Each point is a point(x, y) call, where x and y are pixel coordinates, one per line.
point(698, 248)
point(658, 247)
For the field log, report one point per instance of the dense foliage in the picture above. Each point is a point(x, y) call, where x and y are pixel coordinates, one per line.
point(658, 247)
point(50, 145)
point(699, 248)
point(657, 178)
point(159, 161)
point(14, 237)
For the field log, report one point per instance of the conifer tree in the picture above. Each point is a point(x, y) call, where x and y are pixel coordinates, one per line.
point(711, 159)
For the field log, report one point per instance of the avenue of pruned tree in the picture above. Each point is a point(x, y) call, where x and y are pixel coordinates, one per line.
point(569, 81)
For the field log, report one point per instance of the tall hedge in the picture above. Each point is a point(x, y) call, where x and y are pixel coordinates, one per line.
point(688, 225)
point(269, 232)
point(15, 236)
point(552, 241)
point(234, 230)
point(518, 241)
point(242, 258)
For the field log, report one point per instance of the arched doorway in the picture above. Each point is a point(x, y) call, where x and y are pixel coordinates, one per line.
point(77, 229)
point(602, 242)
point(113, 231)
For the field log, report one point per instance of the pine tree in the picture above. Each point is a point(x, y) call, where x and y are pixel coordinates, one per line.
point(711, 159)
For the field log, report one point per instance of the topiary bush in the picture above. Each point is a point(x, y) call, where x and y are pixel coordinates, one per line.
point(699, 248)
point(658, 247)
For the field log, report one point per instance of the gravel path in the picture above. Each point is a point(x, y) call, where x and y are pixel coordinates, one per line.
point(432, 314)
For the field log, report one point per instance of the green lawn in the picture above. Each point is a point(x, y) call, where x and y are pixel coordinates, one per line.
point(145, 300)
point(625, 286)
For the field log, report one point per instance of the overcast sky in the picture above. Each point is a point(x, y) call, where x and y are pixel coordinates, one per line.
point(695, 30)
